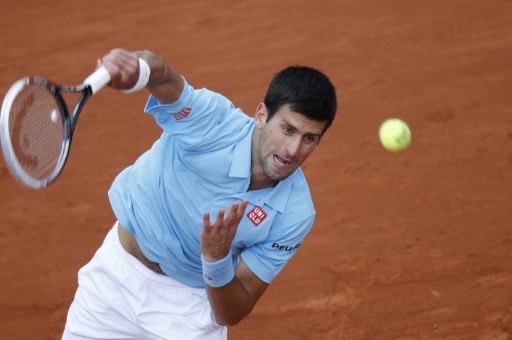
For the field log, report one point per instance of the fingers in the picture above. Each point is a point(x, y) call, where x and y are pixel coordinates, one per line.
point(229, 219)
point(236, 213)
point(206, 219)
point(123, 67)
point(216, 238)
point(231, 216)
point(220, 217)
point(242, 207)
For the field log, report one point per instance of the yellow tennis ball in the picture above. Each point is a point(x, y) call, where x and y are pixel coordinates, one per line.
point(394, 134)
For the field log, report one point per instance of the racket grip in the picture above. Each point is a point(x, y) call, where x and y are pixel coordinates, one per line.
point(98, 79)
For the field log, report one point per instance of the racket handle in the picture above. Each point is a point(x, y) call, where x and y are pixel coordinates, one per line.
point(98, 79)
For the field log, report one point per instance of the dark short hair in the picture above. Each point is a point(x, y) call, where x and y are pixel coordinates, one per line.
point(307, 91)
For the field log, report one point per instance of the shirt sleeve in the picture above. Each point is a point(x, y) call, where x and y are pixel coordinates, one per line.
point(268, 258)
point(198, 116)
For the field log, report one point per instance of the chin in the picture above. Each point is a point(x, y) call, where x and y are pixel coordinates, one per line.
point(280, 175)
point(276, 174)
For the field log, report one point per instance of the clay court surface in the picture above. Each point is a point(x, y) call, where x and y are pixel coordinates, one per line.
point(414, 245)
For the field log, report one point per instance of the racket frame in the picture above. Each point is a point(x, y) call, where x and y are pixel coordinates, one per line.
point(68, 121)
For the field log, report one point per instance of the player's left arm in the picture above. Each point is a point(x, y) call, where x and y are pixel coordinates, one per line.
point(235, 300)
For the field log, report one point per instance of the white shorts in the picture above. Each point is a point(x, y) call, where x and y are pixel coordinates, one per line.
point(120, 298)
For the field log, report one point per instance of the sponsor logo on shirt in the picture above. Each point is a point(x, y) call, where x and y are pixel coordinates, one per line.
point(278, 246)
point(182, 114)
point(257, 215)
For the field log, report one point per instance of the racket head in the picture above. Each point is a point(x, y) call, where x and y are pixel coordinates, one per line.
point(35, 131)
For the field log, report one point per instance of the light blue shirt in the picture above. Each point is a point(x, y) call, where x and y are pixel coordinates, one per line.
point(202, 162)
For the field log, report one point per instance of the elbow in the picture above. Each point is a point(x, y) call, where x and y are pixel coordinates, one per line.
point(231, 320)
point(234, 321)
point(229, 323)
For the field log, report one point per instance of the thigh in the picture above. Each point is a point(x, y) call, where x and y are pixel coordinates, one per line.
point(106, 300)
point(181, 314)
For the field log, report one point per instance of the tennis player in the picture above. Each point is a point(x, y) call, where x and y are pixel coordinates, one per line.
point(209, 215)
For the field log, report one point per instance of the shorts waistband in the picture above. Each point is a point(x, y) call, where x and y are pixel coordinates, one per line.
point(140, 268)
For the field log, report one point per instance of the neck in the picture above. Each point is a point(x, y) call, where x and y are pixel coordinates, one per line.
point(261, 182)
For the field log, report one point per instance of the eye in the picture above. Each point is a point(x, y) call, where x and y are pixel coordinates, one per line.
point(310, 139)
point(287, 130)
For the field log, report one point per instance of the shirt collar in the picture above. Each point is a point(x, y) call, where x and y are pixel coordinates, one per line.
point(277, 196)
point(241, 163)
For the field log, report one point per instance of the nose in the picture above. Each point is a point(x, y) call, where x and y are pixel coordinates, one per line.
point(292, 147)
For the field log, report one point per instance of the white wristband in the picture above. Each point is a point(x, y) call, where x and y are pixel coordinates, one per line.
point(144, 72)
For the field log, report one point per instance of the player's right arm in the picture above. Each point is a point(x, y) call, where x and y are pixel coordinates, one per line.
point(165, 83)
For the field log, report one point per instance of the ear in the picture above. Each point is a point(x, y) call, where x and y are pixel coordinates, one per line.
point(261, 115)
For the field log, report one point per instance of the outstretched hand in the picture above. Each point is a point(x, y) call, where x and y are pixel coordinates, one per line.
point(216, 239)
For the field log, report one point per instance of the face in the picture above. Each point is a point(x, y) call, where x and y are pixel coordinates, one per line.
point(284, 142)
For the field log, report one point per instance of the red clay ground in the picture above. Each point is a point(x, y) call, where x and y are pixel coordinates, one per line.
point(415, 245)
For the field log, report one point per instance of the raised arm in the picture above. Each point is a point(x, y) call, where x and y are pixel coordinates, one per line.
point(165, 83)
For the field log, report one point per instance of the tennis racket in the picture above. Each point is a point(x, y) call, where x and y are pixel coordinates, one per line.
point(36, 127)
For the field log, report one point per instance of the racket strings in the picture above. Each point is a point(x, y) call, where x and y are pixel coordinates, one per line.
point(36, 129)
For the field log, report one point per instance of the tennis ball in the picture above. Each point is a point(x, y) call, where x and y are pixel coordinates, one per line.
point(394, 134)
point(54, 116)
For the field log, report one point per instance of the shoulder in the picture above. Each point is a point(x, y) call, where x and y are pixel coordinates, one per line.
point(196, 110)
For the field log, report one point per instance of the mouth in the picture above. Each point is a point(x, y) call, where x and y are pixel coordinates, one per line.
point(281, 162)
